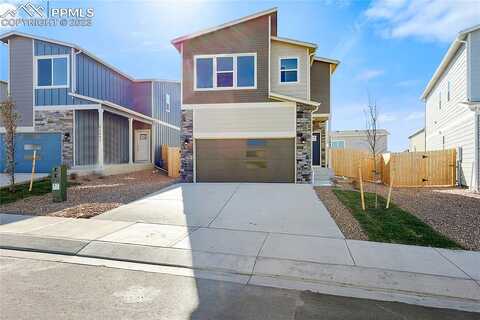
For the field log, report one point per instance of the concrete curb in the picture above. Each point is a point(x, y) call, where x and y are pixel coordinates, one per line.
point(41, 244)
point(346, 280)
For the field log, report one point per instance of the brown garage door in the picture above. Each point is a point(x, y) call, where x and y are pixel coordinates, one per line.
point(245, 160)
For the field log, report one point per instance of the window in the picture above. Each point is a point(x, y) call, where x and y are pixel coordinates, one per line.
point(167, 102)
point(289, 70)
point(222, 72)
point(53, 72)
point(225, 72)
point(337, 144)
point(448, 91)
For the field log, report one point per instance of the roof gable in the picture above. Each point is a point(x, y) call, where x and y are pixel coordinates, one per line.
point(273, 11)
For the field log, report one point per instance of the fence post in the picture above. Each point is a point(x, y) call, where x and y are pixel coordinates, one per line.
point(361, 187)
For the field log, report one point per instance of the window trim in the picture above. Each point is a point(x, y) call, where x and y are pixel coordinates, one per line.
point(280, 70)
point(51, 57)
point(214, 71)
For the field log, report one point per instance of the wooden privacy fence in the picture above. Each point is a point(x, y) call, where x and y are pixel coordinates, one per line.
point(171, 160)
point(420, 169)
point(408, 169)
point(345, 163)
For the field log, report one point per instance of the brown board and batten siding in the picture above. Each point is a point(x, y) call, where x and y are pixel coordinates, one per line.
point(21, 78)
point(320, 85)
point(248, 37)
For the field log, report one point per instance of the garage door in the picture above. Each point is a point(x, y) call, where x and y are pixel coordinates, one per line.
point(245, 160)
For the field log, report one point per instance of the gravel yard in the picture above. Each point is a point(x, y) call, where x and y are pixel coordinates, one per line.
point(95, 195)
point(451, 211)
point(349, 226)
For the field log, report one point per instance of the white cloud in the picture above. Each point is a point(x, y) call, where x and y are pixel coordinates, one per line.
point(415, 115)
point(387, 117)
point(435, 20)
point(370, 74)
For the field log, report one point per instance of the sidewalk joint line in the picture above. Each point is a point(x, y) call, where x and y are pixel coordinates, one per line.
point(350, 252)
point(224, 205)
point(256, 258)
point(446, 258)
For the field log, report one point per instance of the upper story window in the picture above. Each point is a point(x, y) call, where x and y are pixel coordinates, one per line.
point(167, 102)
point(448, 91)
point(226, 71)
point(289, 70)
point(52, 71)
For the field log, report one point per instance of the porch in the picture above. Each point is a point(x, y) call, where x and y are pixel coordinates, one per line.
point(111, 142)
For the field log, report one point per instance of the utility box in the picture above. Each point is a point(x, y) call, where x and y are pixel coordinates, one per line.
point(59, 183)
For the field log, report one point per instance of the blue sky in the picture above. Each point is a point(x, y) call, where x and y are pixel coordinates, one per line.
point(388, 49)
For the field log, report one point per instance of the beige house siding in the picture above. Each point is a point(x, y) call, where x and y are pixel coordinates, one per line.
point(360, 142)
point(285, 50)
point(320, 85)
point(271, 120)
point(249, 37)
point(417, 142)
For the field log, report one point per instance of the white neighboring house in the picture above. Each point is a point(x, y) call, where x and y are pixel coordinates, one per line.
point(452, 105)
point(3, 90)
point(417, 141)
point(358, 139)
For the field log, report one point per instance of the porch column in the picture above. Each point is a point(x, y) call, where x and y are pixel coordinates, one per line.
point(100, 137)
point(152, 142)
point(327, 143)
point(130, 139)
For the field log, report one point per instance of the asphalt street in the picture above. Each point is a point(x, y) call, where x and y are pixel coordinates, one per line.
point(34, 289)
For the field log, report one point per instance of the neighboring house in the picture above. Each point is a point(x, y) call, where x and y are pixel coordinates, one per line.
point(452, 105)
point(417, 141)
point(78, 110)
point(358, 140)
point(251, 102)
point(3, 90)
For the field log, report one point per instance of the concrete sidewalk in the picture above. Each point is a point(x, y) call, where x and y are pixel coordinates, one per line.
point(417, 275)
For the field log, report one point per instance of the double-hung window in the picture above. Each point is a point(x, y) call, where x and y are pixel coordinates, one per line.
point(52, 71)
point(226, 71)
point(289, 70)
point(167, 102)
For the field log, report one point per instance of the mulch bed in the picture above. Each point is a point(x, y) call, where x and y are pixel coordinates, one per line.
point(453, 212)
point(95, 195)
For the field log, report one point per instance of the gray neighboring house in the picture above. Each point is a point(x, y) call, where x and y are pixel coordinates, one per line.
point(3, 90)
point(255, 106)
point(78, 110)
point(357, 139)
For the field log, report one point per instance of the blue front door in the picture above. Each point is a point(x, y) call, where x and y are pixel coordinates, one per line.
point(316, 149)
point(49, 151)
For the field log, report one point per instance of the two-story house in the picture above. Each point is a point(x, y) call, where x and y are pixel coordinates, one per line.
point(452, 106)
point(78, 110)
point(255, 106)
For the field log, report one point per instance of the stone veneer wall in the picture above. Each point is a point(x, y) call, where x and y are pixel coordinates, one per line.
point(304, 138)
point(186, 162)
point(58, 121)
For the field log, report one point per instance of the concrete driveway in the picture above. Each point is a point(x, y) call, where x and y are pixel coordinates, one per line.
point(262, 208)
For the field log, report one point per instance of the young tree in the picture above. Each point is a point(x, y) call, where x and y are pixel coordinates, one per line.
point(9, 118)
point(371, 121)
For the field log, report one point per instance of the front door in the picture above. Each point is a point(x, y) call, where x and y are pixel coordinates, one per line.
point(142, 145)
point(316, 138)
